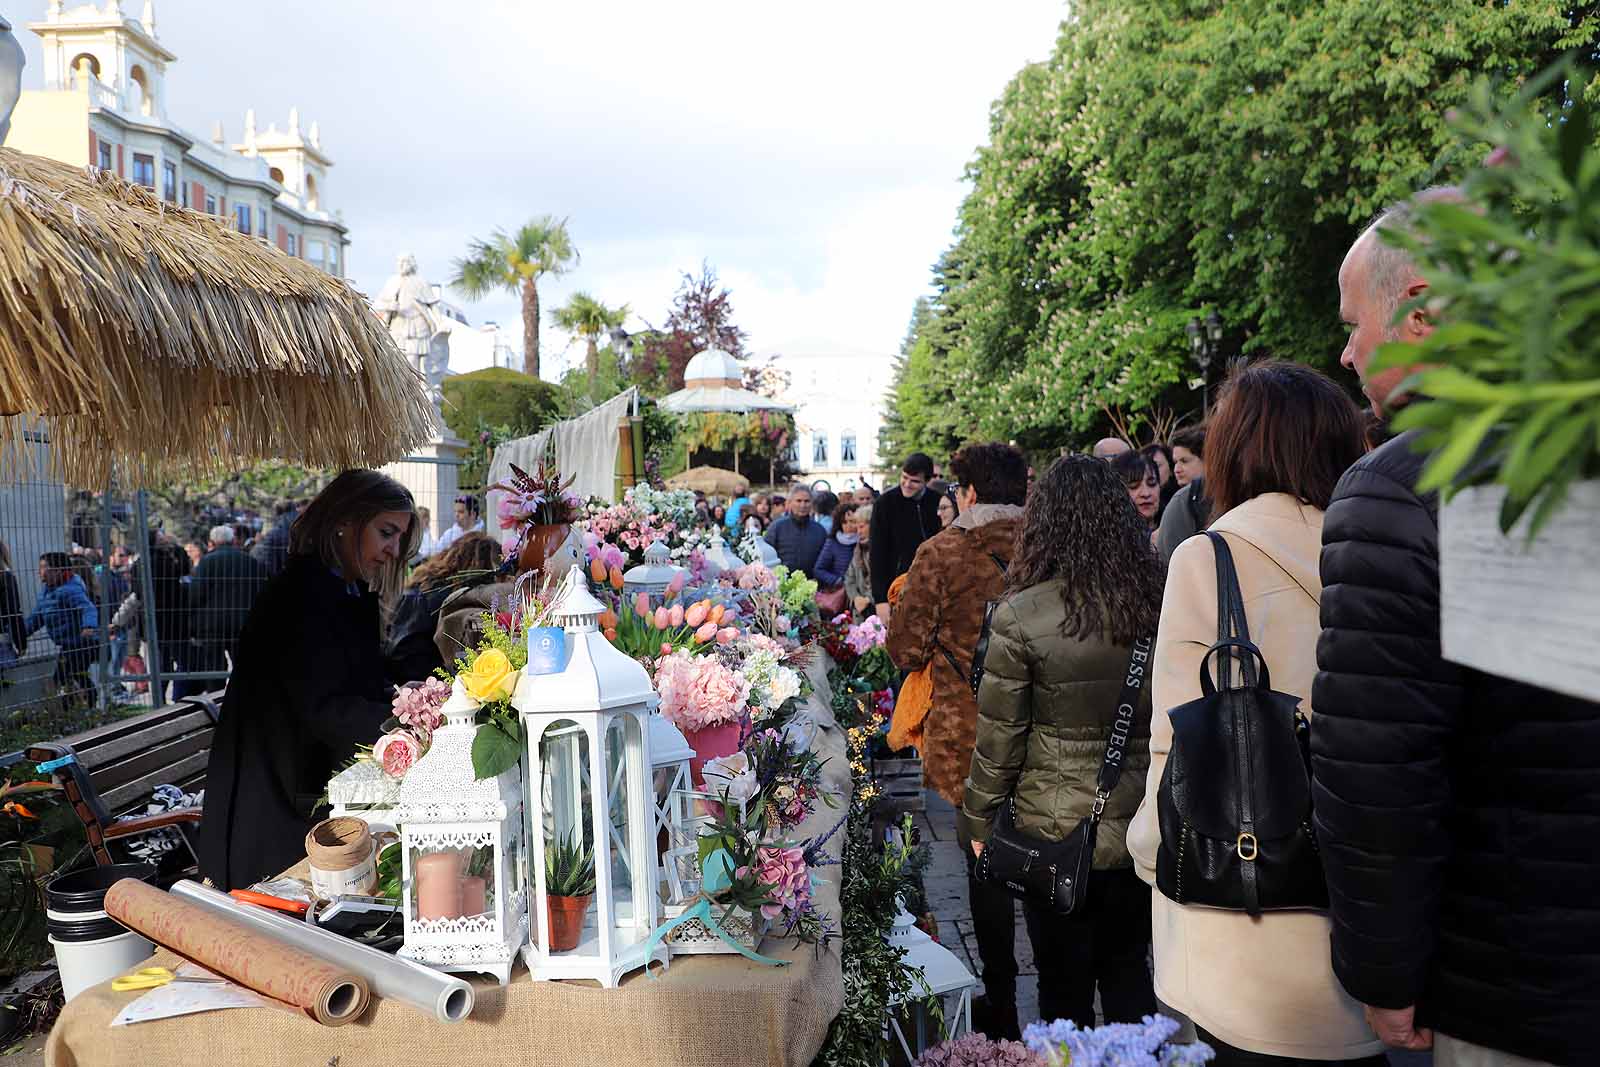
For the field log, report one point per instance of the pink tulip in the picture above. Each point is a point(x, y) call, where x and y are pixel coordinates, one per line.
point(675, 586)
point(696, 613)
point(675, 616)
point(726, 635)
point(663, 618)
point(708, 632)
point(641, 605)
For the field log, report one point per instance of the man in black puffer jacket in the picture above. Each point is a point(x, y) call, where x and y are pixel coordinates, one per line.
point(1456, 810)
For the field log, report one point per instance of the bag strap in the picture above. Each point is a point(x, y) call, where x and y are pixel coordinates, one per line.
point(1232, 626)
point(1122, 727)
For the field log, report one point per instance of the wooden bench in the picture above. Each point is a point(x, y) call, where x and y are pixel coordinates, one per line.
point(109, 773)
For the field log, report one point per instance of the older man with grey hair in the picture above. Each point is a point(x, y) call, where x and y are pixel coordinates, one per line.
point(222, 590)
point(1455, 810)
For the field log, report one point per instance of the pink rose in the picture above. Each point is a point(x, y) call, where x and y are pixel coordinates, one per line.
point(396, 752)
point(675, 615)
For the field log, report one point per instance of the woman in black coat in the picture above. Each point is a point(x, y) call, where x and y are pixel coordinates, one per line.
point(310, 682)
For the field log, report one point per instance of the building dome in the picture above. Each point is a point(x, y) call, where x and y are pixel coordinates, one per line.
point(713, 365)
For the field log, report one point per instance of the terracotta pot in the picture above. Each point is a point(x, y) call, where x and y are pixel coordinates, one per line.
point(708, 744)
point(539, 543)
point(438, 876)
point(565, 918)
point(474, 896)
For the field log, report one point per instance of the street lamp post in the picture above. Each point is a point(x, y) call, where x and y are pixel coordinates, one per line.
point(1205, 339)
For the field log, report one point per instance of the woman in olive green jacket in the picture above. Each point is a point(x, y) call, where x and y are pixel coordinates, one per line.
point(1084, 584)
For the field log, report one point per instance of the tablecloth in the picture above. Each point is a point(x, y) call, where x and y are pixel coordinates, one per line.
point(705, 1011)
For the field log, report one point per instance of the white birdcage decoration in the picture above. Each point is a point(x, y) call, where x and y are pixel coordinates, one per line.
point(653, 575)
point(588, 776)
point(461, 844)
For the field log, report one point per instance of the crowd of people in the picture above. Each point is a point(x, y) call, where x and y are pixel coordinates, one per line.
point(1329, 842)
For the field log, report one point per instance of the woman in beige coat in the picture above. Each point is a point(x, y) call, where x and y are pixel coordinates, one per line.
point(1260, 990)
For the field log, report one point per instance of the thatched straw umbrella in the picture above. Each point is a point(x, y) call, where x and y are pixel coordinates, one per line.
point(713, 480)
point(159, 340)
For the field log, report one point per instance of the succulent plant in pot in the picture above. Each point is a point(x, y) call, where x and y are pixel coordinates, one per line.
point(569, 882)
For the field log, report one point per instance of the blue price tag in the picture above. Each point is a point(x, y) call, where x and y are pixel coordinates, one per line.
point(547, 646)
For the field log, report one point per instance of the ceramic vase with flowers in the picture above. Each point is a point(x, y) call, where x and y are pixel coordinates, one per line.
point(537, 512)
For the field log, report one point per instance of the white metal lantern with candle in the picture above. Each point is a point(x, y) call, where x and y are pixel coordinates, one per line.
point(588, 775)
point(465, 890)
point(719, 558)
point(653, 575)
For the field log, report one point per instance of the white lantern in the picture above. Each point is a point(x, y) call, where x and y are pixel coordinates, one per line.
point(670, 754)
point(653, 575)
point(465, 897)
point(943, 976)
point(720, 558)
point(588, 779)
point(366, 792)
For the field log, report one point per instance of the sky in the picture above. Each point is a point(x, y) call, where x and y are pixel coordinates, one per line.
point(812, 154)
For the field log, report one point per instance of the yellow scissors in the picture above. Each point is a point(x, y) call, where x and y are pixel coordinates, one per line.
point(151, 977)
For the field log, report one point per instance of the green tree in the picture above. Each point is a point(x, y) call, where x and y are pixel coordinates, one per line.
point(588, 318)
point(1174, 156)
point(499, 401)
point(514, 263)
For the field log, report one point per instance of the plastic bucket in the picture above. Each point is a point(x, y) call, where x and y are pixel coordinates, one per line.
point(90, 946)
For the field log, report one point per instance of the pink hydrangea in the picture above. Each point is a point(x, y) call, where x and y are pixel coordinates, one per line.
point(418, 706)
point(698, 691)
point(866, 636)
point(784, 869)
point(755, 576)
point(396, 752)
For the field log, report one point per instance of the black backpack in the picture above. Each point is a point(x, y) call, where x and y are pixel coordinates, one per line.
point(1235, 799)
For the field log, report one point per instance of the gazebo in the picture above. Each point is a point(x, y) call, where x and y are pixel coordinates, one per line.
point(714, 382)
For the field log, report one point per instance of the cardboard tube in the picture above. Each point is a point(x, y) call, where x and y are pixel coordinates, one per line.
point(330, 994)
point(446, 997)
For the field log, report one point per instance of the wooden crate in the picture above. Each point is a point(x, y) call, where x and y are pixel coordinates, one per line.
point(901, 780)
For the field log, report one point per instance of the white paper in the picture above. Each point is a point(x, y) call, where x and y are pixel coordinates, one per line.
point(187, 998)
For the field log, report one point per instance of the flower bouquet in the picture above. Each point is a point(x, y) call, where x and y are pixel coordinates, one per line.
point(408, 732)
point(537, 511)
point(647, 633)
point(706, 699)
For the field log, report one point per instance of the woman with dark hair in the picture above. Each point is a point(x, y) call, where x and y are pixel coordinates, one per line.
point(1261, 990)
point(471, 561)
point(1160, 454)
point(838, 549)
point(1143, 484)
point(310, 682)
point(1084, 586)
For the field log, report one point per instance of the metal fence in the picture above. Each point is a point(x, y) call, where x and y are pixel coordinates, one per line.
point(120, 600)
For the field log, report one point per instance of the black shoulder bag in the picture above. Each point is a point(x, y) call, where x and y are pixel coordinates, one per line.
point(1234, 802)
point(1055, 874)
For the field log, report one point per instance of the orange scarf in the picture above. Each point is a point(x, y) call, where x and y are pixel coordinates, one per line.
point(916, 695)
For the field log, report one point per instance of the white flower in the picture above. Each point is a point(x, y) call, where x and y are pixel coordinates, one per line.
point(733, 774)
point(785, 686)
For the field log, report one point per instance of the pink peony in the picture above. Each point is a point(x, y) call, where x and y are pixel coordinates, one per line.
point(396, 751)
point(698, 691)
point(784, 870)
point(675, 616)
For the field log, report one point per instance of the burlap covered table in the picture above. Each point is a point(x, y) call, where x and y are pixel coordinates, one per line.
point(705, 1011)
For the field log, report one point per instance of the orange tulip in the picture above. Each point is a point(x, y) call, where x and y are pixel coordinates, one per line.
point(597, 569)
point(616, 578)
point(716, 613)
point(696, 614)
point(708, 632)
point(608, 621)
point(611, 633)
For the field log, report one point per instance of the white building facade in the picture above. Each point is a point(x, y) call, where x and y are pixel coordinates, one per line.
point(104, 104)
point(838, 402)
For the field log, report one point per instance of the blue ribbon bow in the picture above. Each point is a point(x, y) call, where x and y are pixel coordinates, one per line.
point(717, 871)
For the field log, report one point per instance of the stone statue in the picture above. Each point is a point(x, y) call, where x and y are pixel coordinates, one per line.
point(405, 306)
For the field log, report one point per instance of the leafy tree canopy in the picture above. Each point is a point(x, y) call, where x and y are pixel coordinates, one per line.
point(1174, 156)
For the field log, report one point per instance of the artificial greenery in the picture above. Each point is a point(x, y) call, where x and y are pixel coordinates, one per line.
point(1511, 389)
point(568, 868)
point(875, 876)
point(1167, 158)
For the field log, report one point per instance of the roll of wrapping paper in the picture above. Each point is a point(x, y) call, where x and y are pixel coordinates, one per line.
point(330, 994)
point(446, 997)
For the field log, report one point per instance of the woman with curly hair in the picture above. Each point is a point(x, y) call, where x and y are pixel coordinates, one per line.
point(1083, 586)
point(471, 561)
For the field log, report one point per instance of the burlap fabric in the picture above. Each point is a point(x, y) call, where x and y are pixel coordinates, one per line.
point(705, 1011)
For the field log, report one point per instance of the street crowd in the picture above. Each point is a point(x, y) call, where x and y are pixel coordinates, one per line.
point(1355, 847)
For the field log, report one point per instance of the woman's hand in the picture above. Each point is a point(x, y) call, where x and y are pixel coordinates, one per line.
point(977, 849)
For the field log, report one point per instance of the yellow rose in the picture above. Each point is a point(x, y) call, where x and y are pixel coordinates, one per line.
point(490, 677)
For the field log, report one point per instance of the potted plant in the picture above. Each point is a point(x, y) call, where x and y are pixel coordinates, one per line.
point(541, 509)
point(569, 876)
point(1508, 400)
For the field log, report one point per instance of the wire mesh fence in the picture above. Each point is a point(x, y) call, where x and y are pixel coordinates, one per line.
point(119, 601)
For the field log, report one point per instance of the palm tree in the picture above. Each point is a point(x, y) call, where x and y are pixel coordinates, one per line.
point(515, 263)
point(589, 318)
